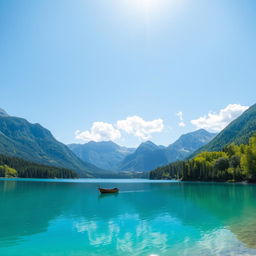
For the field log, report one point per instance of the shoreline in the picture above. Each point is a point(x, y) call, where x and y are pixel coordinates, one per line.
point(122, 180)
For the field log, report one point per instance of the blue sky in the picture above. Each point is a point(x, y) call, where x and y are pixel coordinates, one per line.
point(128, 65)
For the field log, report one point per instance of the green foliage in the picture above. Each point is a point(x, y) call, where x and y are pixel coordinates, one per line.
point(234, 163)
point(210, 156)
point(221, 164)
point(7, 172)
point(248, 159)
point(15, 167)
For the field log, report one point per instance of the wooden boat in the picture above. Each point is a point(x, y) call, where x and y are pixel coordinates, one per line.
point(108, 190)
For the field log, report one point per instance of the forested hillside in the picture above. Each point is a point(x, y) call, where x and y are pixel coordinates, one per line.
point(233, 163)
point(16, 167)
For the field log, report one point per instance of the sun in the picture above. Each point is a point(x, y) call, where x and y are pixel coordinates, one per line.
point(145, 6)
point(149, 10)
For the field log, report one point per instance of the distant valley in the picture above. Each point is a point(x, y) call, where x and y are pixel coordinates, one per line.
point(106, 154)
point(110, 156)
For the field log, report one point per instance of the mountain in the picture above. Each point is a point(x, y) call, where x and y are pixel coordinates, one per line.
point(3, 113)
point(149, 156)
point(105, 154)
point(146, 157)
point(34, 143)
point(239, 131)
point(187, 144)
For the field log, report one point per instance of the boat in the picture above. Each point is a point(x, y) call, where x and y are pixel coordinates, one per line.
point(108, 190)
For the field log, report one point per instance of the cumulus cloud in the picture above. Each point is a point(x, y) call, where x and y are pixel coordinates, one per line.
point(182, 124)
point(218, 121)
point(138, 127)
point(99, 131)
point(180, 116)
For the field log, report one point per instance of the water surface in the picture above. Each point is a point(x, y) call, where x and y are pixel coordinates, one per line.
point(70, 218)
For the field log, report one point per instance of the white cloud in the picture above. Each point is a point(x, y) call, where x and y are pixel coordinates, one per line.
point(218, 121)
point(138, 127)
point(182, 124)
point(180, 116)
point(99, 131)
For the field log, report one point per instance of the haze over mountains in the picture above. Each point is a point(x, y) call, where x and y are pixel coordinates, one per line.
point(146, 157)
point(106, 154)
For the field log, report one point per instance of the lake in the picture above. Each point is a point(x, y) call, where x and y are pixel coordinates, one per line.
point(70, 218)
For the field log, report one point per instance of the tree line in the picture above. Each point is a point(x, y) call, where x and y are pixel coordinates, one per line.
point(233, 163)
point(16, 167)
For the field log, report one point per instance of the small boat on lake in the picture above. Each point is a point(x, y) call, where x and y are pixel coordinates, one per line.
point(108, 190)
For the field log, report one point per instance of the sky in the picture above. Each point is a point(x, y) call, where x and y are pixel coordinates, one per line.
point(127, 70)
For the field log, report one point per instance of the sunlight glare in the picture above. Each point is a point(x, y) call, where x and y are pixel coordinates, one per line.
point(149, 9)
point(145, 6)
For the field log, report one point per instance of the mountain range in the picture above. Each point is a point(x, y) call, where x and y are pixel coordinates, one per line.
point(32, 142)
point(108, 155)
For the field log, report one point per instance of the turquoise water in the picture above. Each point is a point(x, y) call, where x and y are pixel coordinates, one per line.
point(70, 218)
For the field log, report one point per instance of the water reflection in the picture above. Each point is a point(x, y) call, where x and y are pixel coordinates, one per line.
point(143, 219)
point(27, 210)
point(101, 196)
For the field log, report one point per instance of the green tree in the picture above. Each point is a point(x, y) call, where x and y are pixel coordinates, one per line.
point(7, 171)
point(248, 159)
point(234, 161)
point(221, 164)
